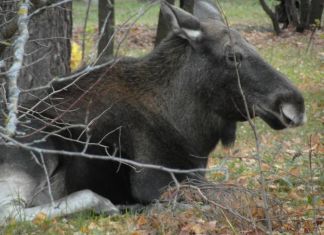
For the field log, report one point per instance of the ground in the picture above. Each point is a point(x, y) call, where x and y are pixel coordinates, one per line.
point(292, 160)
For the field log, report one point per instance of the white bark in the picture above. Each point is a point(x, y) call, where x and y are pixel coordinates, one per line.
point(13, 72)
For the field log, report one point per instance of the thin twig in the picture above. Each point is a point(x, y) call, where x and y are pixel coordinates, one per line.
point(99, 157)
point(253, 127)
point(47, 6)
point(205, 198)
point(310, 155)
point(177, 185)
point(85, 29)
point(311, 40)
point(43, 165)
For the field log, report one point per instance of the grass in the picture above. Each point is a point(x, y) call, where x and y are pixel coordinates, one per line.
point(285, 154)
point(124, 10)
point(246, 13)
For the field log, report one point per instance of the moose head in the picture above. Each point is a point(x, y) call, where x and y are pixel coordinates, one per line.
point(227, 73)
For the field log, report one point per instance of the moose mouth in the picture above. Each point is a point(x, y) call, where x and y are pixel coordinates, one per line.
point(288, 116)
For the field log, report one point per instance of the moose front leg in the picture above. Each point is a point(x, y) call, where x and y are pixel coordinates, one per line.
point(147, 184)
point(75, 202)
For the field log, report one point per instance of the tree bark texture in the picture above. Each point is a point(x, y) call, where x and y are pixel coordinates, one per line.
point(304, 15)
point(47, 52)
point(301, 14)
point(106, 45)
point(272, 16)
point(316, 12)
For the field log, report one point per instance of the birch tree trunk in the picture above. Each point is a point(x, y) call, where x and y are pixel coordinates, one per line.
point(47, 52)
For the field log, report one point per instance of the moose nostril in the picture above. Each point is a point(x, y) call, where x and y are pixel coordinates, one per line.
point(292, 116)
point(289, 112)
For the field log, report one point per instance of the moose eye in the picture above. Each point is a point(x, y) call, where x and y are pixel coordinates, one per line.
point(233, 57)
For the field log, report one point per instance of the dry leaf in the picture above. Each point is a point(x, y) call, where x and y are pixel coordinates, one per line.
point(40, 218)
point(265, 167)
point(92, 226)
point(84, 229)
point(308, 226)
point(258, 213)
point(293, 195)
point(192, 229)
point(295, 171)
point(141, 221)
point(140, 232)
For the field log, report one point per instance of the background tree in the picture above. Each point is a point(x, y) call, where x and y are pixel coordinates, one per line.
point(106, 26)
point(47, 52)
point(301, 14)
point(35, 47)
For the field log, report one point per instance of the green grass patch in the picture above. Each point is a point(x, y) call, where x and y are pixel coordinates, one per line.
point(125, 11)
point(247, 12)
point(302, 66)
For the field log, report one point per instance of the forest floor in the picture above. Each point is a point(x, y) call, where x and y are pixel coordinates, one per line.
point(292, 160)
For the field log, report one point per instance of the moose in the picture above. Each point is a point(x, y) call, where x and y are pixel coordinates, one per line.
point(169, 108)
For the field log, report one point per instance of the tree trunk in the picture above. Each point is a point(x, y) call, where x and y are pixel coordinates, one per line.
point(187, 5)
point(272, 16)
point(304, 11)
point(301, 14)
point(316, 12)
point(106, 43)
point(47, 52)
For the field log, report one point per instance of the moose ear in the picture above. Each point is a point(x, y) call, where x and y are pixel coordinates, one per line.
point(181, 22)
point(204, 9)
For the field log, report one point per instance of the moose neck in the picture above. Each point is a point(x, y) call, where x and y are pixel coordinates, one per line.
point(158, 68)
point(159, 85)
point(169, 68)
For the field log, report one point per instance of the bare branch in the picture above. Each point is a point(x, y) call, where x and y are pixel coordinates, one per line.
point(253, 127)
point(10, 28)
point(85, 29)
point(43, 165)
point(49, 4)
point(101, 157)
